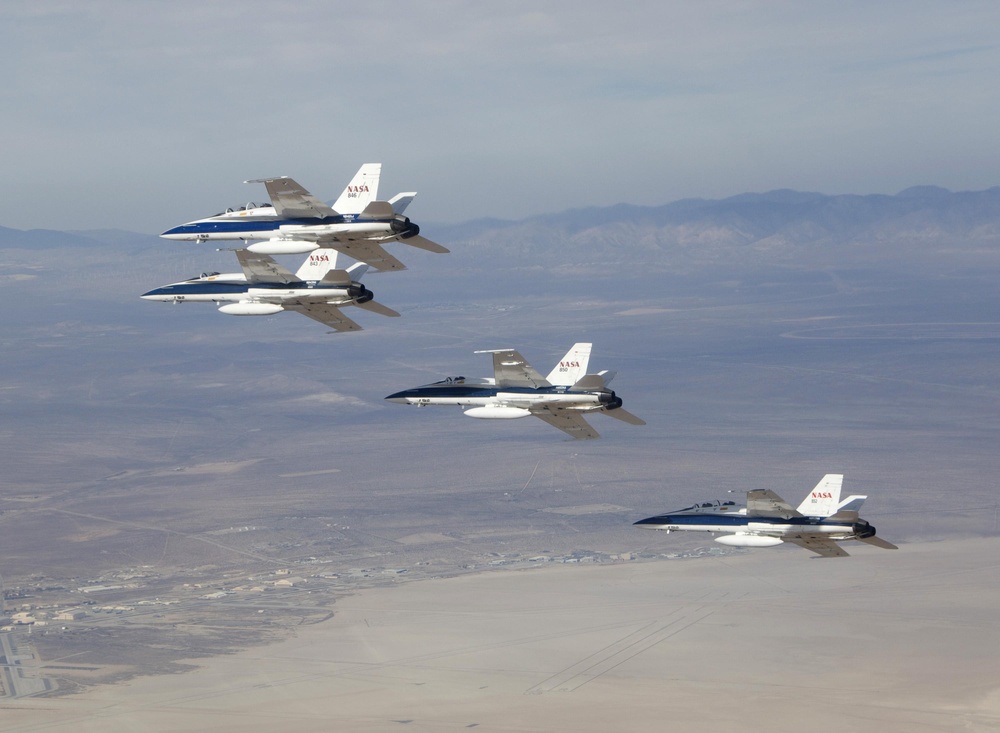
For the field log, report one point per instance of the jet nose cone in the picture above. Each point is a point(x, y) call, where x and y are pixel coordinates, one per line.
point(648, 522)
point(184, 231)
point(158, 294)
point(398, 397)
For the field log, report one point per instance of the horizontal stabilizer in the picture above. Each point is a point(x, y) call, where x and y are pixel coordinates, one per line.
point(878, 542)
point(374, 307)
point(424, 243)
point(848, 509)
point(588, 383)
point(378, 210)
point(338, 278)
point(625, 416)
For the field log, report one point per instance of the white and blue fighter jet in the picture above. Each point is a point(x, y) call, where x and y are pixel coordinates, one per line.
point(516, 390)
point(296, 222)
point(820, 521)
point(318, 290)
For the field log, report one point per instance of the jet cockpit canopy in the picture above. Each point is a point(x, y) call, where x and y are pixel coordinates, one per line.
point(249, 207)
point(717, 504)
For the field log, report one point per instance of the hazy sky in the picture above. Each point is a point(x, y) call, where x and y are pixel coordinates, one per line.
point(143, 115)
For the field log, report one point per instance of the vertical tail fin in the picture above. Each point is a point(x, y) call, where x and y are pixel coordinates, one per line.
point(824, 500)
point(317, 264)
point(357, 271)
point(400, 201)
point(361, 191)
point(572, 367)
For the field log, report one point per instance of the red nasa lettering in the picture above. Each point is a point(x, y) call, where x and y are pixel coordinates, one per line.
point(822, 495)
point(357, 189)
point(565, 364)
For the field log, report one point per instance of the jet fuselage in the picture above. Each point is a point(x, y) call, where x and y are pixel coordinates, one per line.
point(730, 519)
point(485, 393)
point(262, 223)
point(235, 288)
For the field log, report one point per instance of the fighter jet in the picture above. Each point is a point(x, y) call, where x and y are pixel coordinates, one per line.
point(318, 290)
point(820, 521)
point(296, 222)
point(516, 390)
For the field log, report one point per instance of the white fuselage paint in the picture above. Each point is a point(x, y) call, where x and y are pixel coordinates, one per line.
point(584, 402)
point(265, 218)
point(764, 529)
point(331, 295)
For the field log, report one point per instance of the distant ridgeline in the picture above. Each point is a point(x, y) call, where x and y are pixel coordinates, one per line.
point(783, 228)
point(786, 228)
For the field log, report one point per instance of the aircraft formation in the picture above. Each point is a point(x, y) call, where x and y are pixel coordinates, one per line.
point(358, 225)
point(296, 222)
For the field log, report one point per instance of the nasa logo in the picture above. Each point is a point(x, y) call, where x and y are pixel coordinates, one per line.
point(569, 364)
point(822, 495)
point(357, 189)
point(319, 258)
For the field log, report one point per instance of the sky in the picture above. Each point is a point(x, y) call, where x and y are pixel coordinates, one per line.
point(142, 116)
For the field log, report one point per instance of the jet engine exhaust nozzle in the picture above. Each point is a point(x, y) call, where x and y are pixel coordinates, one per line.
point(610, 400)
point(360, 293)
point(402, 226)
point(864, 531)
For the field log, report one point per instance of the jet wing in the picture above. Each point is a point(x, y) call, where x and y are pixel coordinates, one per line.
point(326, 314)
point(292, 201)
point(765, 503)
point(510, 369)
point(570, 423)
point(819, 545)
point(260, 268)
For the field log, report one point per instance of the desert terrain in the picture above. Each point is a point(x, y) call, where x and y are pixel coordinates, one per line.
point(219, 520)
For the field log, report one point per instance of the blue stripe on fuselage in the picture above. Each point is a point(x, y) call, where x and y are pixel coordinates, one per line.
point(733, 520)
point(224, 288)
point(254, 224)
point(472, 390)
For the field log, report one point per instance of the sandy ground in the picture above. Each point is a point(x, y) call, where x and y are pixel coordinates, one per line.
point(770, 640)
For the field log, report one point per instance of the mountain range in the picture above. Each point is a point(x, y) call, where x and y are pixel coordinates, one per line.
point(782, 228)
